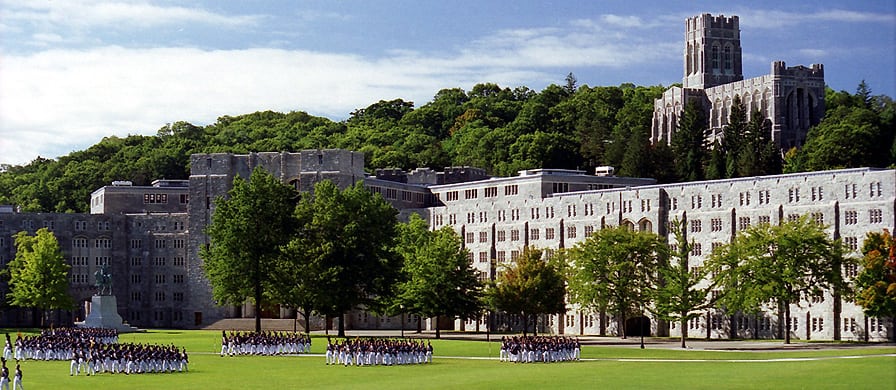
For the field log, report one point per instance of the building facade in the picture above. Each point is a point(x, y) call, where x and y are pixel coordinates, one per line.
point(151, 236)
point(552, 212)
point(791, 98)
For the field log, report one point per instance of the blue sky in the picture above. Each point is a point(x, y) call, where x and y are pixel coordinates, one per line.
point(73, 72)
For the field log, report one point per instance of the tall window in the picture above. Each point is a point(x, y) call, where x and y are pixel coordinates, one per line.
point(727, 58)
point(715, 58)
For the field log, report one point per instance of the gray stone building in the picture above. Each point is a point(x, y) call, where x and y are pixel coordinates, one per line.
point(792, 98)
point(497, 218)
point(152, 242)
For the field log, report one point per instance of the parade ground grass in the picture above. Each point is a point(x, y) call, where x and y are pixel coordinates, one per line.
point(473, 365)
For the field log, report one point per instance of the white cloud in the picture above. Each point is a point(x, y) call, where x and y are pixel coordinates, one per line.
point(76, 97)
point(86, 14)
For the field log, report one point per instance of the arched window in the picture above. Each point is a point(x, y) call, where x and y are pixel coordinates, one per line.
point(645, 225)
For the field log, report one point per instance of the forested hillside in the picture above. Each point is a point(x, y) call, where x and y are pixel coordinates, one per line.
point(500, 129)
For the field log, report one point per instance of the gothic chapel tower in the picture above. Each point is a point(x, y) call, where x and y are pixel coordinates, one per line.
point(712, 52)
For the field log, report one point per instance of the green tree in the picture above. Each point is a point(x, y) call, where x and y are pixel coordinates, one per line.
point(733, 136)
point(530, 287)
point(848, 137)
point(777, 265)
point(876, 284)
point(678, 298)
point(615, 270)
point(437, 277)
point(351, 233)
point(689, 143)
point(38, 276)
point(637, 159)
point(247, 231)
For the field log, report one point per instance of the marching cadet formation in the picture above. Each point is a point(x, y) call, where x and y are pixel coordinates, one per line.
point(57, 344)
point(92, 351)
point(378, 352)
point(264, 343)
point(128, 359)
point(533, 349)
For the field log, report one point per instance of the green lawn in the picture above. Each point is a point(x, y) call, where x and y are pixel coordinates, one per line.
point(616, 367)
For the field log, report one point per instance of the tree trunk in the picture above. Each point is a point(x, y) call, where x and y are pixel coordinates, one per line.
point(525, 323)
point(341, 332)
point(438, 328)
point(535, 325)
point(838, 308)
point(257, 307)
point(786, 323)
point(306, 312)
point(684, 331)
point(621, 324)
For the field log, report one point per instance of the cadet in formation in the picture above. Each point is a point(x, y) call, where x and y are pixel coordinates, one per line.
point(264, 343)
point(546, 349)
point(374, 352)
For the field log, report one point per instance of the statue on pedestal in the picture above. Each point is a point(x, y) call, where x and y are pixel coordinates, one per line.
point(103, 308)
point(103, 281)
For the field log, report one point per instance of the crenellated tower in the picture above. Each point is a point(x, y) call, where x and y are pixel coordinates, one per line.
point(712, 52)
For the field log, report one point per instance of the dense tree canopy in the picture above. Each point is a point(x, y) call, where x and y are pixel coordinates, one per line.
point(777, 266)
point(38, 276)
point(529, 287)
point(349, 236)
point(500, 129)
point(615, 270)
point(246, 234)
point(876, 283)
point(437, 276)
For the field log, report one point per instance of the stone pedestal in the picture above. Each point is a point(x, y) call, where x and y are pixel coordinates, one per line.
point(104, 314)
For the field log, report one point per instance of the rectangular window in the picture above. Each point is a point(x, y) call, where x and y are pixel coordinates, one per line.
point(533, 234)
point(876, 215)
point(471, 238)
point(549, 233)
point(483, 257)
point(514, 235)
point(571, 232)
point(511, 190)
point(483, 236)
point(716, 224)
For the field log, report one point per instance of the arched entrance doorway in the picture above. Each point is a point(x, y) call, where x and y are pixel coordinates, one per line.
point(637, 326)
